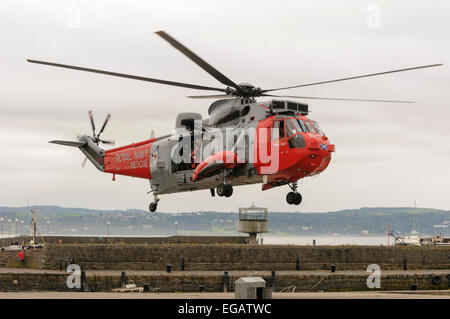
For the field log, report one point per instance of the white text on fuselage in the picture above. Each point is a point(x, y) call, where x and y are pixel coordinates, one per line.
point(137, 159)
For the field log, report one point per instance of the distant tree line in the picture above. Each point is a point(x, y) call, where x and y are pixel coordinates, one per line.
point(81, 221)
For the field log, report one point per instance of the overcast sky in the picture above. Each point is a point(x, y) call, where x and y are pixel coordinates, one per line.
point(386, 154)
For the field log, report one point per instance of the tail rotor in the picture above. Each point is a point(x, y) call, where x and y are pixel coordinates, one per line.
point(96, 137)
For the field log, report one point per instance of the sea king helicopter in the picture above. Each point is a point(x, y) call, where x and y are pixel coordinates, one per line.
point(244, 141)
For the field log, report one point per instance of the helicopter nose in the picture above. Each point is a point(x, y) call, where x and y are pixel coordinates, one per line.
point(327, 147)
point(321, 145)
point(313, 163)
point(331, 148)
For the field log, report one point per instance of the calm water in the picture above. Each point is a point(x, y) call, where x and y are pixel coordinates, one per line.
point(326, 240)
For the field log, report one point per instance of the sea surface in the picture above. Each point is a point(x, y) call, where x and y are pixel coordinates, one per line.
point(327, 240)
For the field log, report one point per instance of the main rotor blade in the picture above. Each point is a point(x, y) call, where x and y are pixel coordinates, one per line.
point(92, 123)
point(354, 77)
point(198, 60)
point(335, 98)
point(104, 124)
point(215, 96)
point(134, 77)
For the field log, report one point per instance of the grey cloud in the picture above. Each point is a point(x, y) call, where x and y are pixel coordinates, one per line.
point(386, 154)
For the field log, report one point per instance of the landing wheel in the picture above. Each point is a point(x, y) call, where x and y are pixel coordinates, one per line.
point(153, 206)
point(228, 190)
point(221, 189)
point(298, 198)
point(293, 198)
point(290, 198)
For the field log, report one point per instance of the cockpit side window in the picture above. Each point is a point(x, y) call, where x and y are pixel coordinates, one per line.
point(278, 125)
point(290, 128)
point(282, 131)
point(299, 126)
point(297, 141)
point(293, 130)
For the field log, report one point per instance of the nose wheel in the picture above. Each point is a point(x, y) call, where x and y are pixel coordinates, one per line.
point(154, 205)
point(224, 190)
point(294, 197)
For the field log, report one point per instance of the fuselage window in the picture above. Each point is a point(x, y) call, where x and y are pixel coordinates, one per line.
point(297, 141)
point(297, 125)
point(301, 124)
point(245, 110)
point(294, 130)
point(291, 129)
point(316, 126)
point(282, 131)
point(310, 127)
point(279, 124)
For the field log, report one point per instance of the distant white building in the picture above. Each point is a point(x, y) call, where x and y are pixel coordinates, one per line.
point(365, 232)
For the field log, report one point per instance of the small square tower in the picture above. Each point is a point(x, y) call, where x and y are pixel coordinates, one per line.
point(253, 220)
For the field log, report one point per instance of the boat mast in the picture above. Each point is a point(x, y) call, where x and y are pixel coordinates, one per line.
point(414, 231)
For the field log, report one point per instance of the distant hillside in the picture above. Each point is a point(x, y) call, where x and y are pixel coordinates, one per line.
point(365, 220)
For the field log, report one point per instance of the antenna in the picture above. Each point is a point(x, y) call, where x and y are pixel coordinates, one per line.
point(389, 233)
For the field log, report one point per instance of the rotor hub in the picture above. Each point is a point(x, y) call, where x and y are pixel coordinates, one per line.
point(246, 90)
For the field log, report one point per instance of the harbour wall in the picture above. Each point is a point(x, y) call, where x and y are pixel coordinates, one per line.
point(242, 257)
point(307, 268)
point(216, 283)
point(34, 259)
point(132, 240)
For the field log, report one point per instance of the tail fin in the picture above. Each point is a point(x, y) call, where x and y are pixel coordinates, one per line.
point(95, 154)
